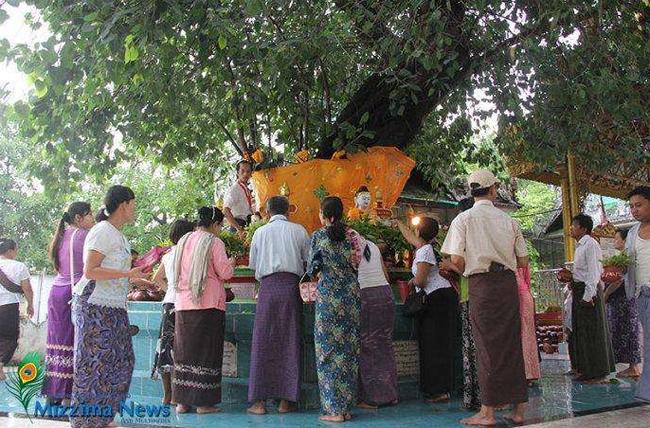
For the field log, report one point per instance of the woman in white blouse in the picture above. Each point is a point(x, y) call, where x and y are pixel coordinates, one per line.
point(103, 351)
point(437, 325)
point(377, 369)
point(14, 279)
point(165, 278)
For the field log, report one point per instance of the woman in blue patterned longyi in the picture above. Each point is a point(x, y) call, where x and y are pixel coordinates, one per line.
point(336, 251)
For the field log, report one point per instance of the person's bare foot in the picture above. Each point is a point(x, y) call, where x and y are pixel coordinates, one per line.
point(207, 409)
point(479, 420)
point(332, 418)
point(257, 409)
point(514, 419)
point(364, 405)
point(630, 372)
point(592, 381)
point(440, 398)
point(182, 408)
point(517, 415)
point(287, 407)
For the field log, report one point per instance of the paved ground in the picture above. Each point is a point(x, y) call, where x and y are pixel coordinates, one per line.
point(637, 417)
point(555, 403)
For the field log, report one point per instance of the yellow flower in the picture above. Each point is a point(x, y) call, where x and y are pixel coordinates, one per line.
point(28, 372)
point(302, 156)
point(338, 155)
point(258, 156)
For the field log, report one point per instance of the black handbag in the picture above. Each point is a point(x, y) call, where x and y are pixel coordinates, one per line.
point(415, 303)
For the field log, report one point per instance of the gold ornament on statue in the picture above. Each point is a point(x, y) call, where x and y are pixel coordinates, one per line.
point(284, 190)
point(382, 212)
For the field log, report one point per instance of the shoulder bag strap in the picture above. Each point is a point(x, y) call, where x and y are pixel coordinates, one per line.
point(9, 284)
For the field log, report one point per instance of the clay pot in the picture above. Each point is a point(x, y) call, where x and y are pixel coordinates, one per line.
point(564, 276)
point(404, 288)
point(242, 261)
point(140, 295)
point(611, 274)
point(548, 348)
point(154, 295)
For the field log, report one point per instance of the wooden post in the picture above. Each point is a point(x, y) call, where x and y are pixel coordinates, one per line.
point(566, 213)
point(573, 184)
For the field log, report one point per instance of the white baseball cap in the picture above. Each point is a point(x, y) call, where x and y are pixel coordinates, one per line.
point(481, 179)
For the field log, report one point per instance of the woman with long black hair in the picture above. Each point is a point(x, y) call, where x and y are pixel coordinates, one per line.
point(335, 254)
point(66, 252)
point(437, 325)
point(201, 266)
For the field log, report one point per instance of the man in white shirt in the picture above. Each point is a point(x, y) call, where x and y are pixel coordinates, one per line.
point(592, 350)
point(278, 254)
point(238, 204)
point(15, 277)
point(637, 279)
point(487, 245)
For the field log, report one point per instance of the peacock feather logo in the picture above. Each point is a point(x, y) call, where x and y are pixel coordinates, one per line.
point(26, 383)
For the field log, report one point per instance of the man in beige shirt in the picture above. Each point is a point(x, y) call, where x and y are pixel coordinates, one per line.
point(488, 246)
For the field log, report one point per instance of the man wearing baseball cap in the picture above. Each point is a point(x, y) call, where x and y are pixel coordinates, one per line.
point(488, 246)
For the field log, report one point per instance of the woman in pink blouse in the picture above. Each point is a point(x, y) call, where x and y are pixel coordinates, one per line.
point(201, 267)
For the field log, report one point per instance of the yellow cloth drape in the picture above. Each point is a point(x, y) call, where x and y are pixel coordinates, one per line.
point(383, 170)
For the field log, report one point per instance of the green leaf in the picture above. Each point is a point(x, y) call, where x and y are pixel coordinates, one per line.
point(131, 54)
point(137, 79)
point(364, 118)
point(40, 88)
point(14, 3)
point(222, 42)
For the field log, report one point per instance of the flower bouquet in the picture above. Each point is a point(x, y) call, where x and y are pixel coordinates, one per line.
point(614, 267)
point(235, 247)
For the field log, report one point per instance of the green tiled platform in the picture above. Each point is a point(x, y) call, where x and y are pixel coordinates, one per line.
point(240, 316)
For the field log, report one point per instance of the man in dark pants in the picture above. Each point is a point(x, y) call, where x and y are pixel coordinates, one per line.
point(593, 358)
point(488, 246)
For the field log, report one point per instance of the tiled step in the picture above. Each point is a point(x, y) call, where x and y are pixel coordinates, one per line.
point(240, 317)
point(235, 390)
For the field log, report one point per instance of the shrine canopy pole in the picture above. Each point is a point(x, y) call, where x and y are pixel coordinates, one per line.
point(566, 213)
point(573, 184)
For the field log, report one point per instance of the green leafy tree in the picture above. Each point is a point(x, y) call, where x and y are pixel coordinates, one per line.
point(183, 79)
point(539, 203)
point(26, 213)
point(29, 214)
point(590, 96)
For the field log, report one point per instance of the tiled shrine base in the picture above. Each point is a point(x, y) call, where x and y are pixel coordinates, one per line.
point(556, 403)
point(240, 316)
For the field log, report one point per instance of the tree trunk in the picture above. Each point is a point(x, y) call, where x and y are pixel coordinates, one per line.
point(399, 128)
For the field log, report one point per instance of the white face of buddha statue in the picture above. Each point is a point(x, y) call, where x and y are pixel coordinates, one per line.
point(362, 200)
